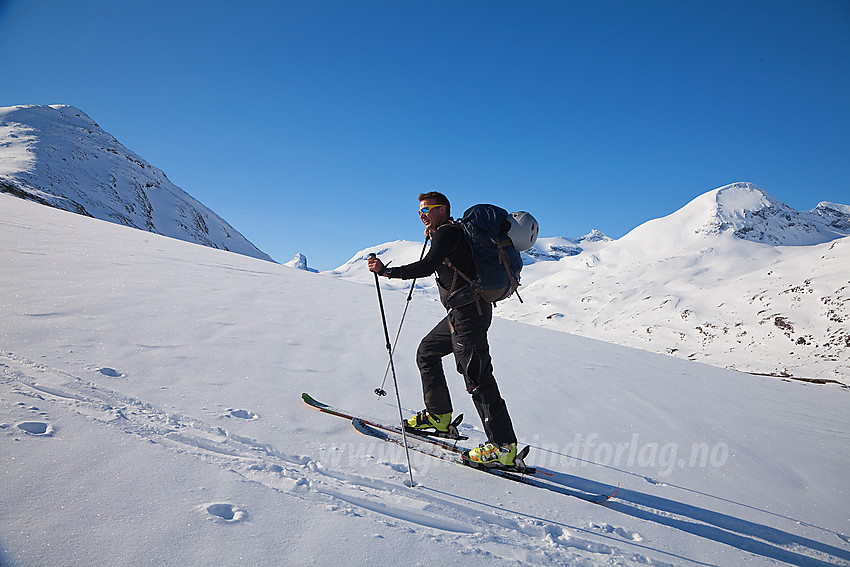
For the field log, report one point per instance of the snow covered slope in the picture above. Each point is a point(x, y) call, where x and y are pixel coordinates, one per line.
point(735, 279)
point(150, 414)
point(746, 212)
point(58, 156)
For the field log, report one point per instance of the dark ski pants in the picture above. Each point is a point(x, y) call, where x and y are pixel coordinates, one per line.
point(464, 332)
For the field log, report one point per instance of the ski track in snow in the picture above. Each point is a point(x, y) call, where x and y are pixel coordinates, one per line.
point(482, 530)
point(299, 476)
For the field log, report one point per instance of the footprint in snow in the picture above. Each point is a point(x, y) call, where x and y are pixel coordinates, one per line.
point(622, 532)
point(38, 428)
point(110, 372)
point(397, 467)
point(225, 512)
point(241, 414)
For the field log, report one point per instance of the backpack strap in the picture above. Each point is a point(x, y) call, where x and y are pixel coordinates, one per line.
point(470, 285)
point(449, 264)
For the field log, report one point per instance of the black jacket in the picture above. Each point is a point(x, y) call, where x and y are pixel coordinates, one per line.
point(448, 242)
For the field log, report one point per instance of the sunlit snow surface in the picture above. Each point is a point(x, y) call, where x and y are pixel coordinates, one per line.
point(150, 414)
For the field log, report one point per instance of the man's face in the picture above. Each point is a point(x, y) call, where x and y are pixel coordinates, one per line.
point(434, 217)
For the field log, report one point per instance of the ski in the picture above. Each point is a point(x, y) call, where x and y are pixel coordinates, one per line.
point(367, 429)
point(440, 441)
point(444, 442)
point(393, 433)
point(523, 476)
point(437, 452)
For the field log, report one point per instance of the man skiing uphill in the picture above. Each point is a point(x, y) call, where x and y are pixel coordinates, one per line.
point(463, 332)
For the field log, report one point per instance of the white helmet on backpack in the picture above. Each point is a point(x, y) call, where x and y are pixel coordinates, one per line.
point(523, 231)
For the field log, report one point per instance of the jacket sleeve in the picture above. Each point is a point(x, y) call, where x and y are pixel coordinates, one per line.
point(443, 243)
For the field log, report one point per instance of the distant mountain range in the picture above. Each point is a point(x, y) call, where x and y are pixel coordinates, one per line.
point(735, 278)
point(58, 156)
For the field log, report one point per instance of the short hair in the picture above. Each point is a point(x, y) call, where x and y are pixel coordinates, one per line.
point(439, 197)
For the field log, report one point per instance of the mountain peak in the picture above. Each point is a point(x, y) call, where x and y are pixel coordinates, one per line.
point(750, 213)
point(747, 212)
point(299, 262)
point(594, 236)
point(736, 200)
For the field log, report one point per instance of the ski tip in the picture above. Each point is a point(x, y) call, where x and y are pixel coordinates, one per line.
point(312, 401)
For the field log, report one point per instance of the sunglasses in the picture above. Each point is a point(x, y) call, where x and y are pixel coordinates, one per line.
point(427, 208)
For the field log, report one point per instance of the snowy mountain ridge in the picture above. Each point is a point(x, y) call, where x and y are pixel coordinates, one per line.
point(752, 214)
point(58, 156)
point(735, 278)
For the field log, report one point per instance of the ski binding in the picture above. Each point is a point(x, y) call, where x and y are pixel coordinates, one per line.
point(453, 433)
point(519, 463)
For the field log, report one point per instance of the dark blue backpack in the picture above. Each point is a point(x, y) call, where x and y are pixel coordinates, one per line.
point(497, 261)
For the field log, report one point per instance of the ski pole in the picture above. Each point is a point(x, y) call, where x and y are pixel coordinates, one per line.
point(380, 390)
point(395, 381)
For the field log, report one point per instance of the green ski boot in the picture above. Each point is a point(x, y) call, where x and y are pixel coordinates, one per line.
point(425, 420)
point(492, 455)
point(437, 425)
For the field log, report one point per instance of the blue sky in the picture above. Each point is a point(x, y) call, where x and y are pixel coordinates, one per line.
point(311, 126)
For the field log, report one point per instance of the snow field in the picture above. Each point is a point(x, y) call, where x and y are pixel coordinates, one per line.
point(168, 376)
